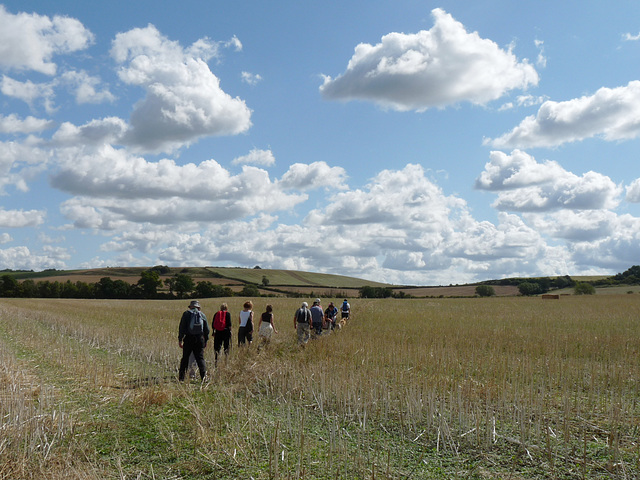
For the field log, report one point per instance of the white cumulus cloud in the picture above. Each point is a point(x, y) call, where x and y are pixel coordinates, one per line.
point(87, 88)
point(575, 226)
point(29, 92)
point(113, 186)
point(611, 113)
point(16, 125)
point(21, 218)
point(524, 185)
point(30, 41)
point(19, 163)
point(22, 257)
point(97, 132)
point(184, 100)
point(615, 251)
point(434, 68)
point(633, 191)
point(314, 175)
point(256, 157)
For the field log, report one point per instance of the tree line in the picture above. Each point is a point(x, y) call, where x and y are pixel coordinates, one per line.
point(149, 286)
point(537, 286)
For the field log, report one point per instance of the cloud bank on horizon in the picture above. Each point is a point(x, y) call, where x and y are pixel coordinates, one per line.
point(137, 149)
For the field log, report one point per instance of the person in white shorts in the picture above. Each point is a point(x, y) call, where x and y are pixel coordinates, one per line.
point(266, 326)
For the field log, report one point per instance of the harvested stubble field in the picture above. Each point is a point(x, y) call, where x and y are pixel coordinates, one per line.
point(410, 389)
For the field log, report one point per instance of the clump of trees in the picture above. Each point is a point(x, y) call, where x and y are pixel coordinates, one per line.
point(375, 292)
point(538, 286)
point(584, 288)
point(544, 283)
point(485, 291)
point(531, 288)
point(250, 290)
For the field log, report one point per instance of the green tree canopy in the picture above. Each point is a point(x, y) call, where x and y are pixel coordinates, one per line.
point(375, 292)
point(529, 288)
point(485, 291)
point(583, 288)
point(183, 285)
point(149, 283)
point(206, 289)
point(250, 290)
point(9, 286)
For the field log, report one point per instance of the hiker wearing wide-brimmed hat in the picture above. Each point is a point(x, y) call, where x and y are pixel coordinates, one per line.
point(193, 334)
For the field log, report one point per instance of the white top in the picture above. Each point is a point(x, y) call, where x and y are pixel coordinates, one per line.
point(244, 317)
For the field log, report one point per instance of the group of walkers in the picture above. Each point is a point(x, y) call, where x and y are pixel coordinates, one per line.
point(193, 332)
point(310, 322)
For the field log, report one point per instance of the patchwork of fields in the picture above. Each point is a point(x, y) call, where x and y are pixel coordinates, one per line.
point(506, 387)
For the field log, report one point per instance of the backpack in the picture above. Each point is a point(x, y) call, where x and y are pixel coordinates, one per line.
point(303, 315)
point(345, 307)
point(220, 321)
point(196, 325)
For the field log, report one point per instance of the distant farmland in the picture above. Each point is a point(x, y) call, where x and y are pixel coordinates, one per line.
point(270, 282)
point(279, 283)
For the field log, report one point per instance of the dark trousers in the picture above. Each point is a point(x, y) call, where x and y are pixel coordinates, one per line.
point(195, 344)
point(220, 338)
point(245, 334)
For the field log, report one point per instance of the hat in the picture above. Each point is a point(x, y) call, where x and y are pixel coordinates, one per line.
point(194, 303)
point(317, 301)
point(305, 304)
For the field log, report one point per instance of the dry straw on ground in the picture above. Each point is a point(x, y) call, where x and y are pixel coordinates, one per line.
point(474, 388)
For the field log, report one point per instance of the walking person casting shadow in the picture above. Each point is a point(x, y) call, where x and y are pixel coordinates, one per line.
point(193, 334)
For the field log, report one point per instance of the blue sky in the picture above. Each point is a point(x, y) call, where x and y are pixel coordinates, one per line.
point(411, 142)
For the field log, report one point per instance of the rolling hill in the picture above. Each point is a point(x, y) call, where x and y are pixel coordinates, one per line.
point(282, 282)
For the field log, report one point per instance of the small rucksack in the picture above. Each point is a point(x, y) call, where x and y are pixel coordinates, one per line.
point(196, 325)
point(220, 321)
point(303, 315)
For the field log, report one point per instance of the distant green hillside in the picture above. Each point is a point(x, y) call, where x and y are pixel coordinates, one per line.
point(292, 278)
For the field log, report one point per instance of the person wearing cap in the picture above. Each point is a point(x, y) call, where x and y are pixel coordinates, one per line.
point(302, 323)
point(192, 342)
point(317, 315)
